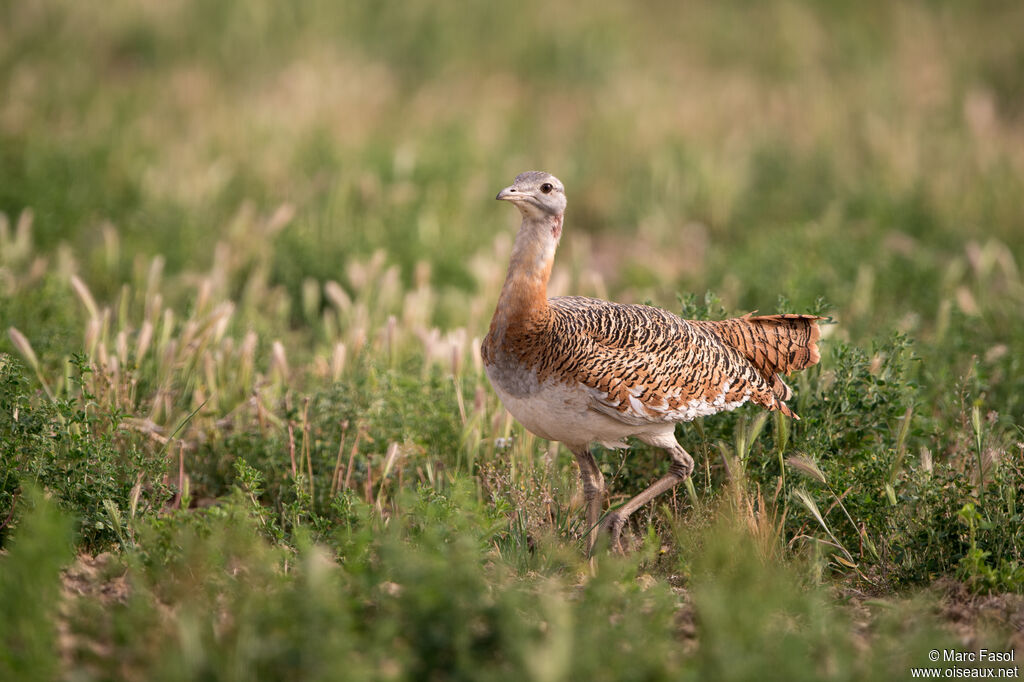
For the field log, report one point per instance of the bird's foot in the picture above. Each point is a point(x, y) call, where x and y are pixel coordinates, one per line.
point(613, 523)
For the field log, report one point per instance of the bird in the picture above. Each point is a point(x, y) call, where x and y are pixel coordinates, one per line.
point(585, 371)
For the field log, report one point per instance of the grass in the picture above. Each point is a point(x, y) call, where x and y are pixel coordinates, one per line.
point(247, 253)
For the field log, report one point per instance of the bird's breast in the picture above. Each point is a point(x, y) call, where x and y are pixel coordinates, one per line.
point(555, 410)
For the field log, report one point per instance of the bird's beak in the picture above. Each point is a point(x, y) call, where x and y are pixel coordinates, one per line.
point(511, 193)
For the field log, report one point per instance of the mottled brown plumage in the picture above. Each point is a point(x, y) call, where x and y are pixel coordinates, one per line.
point(581, 370)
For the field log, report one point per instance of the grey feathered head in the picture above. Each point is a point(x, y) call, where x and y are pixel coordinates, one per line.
point(535, 194)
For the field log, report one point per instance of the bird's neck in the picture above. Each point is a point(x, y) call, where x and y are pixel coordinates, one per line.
point(524, 296)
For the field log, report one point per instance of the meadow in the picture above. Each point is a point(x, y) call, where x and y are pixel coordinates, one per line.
point(247, 254)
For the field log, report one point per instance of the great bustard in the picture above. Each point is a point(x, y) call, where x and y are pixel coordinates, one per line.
point(582, 370)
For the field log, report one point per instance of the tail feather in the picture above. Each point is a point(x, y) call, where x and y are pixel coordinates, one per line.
point(774, 345)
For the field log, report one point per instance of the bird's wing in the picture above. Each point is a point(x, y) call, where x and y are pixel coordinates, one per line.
point(773, 344)
point(643, 365)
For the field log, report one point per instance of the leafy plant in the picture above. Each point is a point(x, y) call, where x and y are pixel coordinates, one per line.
point(74, 450)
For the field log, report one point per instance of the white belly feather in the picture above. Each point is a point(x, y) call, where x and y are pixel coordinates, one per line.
point(565, 412)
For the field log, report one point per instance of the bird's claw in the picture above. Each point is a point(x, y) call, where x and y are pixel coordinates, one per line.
point(613, 523)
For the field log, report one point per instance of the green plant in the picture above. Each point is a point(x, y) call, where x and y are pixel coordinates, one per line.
point(30, 588)
point(74, 450)
point(976, 568)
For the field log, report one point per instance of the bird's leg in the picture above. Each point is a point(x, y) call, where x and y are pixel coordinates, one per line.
point(593, 491)
point(682, 466)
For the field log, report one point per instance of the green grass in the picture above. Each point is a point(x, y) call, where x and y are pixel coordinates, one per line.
point(247, 252)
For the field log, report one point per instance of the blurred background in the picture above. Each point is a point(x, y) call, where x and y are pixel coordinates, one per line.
point(848, 150)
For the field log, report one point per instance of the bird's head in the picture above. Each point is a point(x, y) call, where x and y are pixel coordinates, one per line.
point(536, 194)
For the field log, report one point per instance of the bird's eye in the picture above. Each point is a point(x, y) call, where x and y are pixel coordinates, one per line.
point(547, 187)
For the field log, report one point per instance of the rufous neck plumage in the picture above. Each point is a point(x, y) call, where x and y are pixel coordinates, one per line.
point(524, 295)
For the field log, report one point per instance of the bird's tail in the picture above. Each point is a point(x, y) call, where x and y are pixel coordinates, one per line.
point(774, 344)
